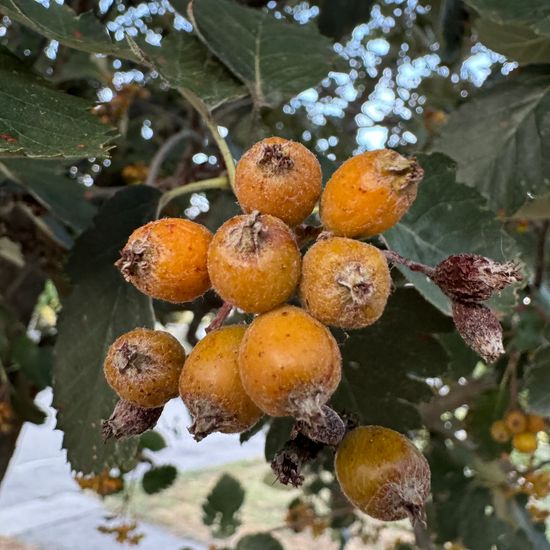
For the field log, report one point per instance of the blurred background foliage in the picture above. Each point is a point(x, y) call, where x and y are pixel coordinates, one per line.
point(107, 108)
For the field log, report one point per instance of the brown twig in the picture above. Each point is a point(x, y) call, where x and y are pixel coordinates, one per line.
point(221, 316)
point(396, 258)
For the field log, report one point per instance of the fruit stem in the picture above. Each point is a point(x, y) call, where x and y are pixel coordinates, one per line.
point(223, 313)
point(396, 258)
point(221, 182)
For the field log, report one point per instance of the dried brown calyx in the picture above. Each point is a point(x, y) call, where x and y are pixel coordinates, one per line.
point(355, 278)
point(209, 417)
point(129, 420)
point(480, 328)
point(275, 159)
point(133, 260)
point(247, 236)
point(473, 278)
point(404, 171)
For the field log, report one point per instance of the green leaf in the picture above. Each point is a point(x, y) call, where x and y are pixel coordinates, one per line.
point(448, 218)
point(385, 364)
point(535, 13)
point(259, 541)
point(152, 440)
point(159, 478)
point(277, 435)
point(462, 359)
point(47, 181)
point(537, 382)
point(184, 62)
point(59, 22)
point(39, 122)
point(339, 17)
point(499, 139)
point(101, 307)
point(518, 42)
point(222, 504)
point(22, 401)
point(275, 59)
point(454, 21)
point(34, 362)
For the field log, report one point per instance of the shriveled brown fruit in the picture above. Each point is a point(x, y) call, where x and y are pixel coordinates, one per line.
point(369, 193)
point(211, 388)
point(480, 329)
point(254, 262)
point(474, 278)
point(383, 474)
point(166, 259)
point(345, 283)
point(129, 420)
point(279, 177)
point(290, 365)
point(143, 367)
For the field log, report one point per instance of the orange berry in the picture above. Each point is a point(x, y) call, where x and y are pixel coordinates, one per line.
point(345, 283)
point(535, 423)
point(290, 364)
point(143, 367)
point(541, 484)
point(369, 193)
point(516, 421)
point(383, 474)
point(525, 442)
point(279, 177)
point(211, 387)
point(499, 431)
point(254, 262)
point(166, 259)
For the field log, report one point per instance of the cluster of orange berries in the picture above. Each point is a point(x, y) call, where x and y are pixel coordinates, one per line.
point(286, 362)
point(521, 428)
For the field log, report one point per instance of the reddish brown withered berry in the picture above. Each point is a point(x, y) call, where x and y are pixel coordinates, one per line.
point(279, 177)
point(143, 367)
point(211, 388)
point(166, 259)
point(345, 283)
point(254, 262)
point(383, 474)
point(474, 278)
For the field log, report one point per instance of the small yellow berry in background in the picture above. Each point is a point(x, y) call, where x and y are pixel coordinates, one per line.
point(516, 421)
point(525, 442)
point(535, 423)
point(499, 431)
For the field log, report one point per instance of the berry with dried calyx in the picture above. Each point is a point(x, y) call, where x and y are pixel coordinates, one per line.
point(211, 388)
point(369, 193)
point(143, 367)
point(254, 262)
point(535, 423)
point(474, 278)
point(516, 422)
point(166, 259)
point(383, 474)
point(290, 365)
point(499, 431)
point(480, 329)
point(345, 283)
point(279, 177)
point(525, 442)
point(128, 420)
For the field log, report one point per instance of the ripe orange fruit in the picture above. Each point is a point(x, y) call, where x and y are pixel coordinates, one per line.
point(143, 367)
point(345, 283)
point(369, 193)
point(279, 177)
point(525, 442)
point(290, 364)
point(516, 421)
point(535, 423)
point(166, 259)
point(254, 262)
point(211, 388)
point(383, 474)
point(499, 431)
